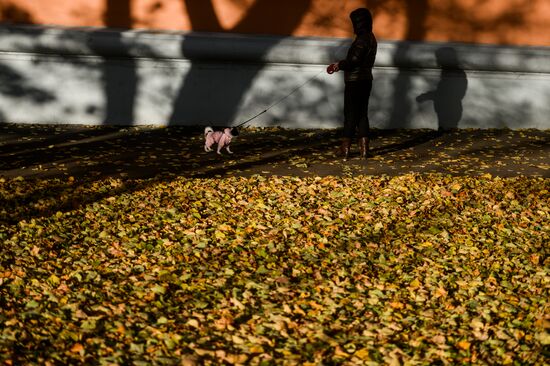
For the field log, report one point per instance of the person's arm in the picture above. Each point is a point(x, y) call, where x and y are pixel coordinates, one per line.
point(355, 56)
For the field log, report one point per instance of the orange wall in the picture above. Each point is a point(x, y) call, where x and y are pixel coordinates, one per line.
point(514, 22)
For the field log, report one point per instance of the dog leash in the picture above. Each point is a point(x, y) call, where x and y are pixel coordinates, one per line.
point(292, 92)
point(282, 99)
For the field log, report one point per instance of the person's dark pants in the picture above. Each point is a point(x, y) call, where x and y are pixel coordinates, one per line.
point(356, 108)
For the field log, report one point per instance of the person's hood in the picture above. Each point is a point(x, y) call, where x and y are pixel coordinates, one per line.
point(362, 21)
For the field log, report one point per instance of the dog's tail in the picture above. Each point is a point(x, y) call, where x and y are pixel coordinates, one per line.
point(208, 130)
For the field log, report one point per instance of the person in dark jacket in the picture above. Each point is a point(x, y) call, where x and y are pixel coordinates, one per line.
point(358, 81)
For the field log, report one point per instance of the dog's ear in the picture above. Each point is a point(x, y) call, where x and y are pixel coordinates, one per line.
point(234, 131)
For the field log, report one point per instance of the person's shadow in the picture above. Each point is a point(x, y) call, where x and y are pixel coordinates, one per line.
point(450, 90)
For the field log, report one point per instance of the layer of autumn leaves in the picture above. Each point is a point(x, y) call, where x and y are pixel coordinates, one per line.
point(415, 269)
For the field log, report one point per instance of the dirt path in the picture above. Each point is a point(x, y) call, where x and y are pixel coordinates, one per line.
point(52, 151)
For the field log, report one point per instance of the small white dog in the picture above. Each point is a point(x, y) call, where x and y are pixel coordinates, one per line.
point(222, 138)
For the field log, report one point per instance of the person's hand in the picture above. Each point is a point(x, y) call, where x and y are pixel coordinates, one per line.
point(332, 68)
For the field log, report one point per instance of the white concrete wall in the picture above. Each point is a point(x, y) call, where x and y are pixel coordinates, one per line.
point(92, 76)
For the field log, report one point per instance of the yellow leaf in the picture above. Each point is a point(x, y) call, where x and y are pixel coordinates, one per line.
point(236, 359)
point(256, 349)
point(193, 322)
point(544, 338)
point(224, 227)
point(340, 353)
point(77, 348)
point(440, 292)
point(465, 345)
point(219, 234)
point(237, 339)
point(414, 284)
point(476, 323)
point(35, 250)
point(397, 305)
point(53, 280)
point(362, 354)
point(456, 187)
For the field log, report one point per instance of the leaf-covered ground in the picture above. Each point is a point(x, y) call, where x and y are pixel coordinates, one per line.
point(413, 269)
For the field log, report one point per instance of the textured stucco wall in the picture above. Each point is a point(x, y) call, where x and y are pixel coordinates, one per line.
point(91, 76)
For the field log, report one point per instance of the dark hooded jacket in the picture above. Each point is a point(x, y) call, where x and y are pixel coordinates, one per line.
point(362, 53)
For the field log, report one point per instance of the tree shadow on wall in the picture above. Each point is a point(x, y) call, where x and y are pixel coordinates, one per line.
point(210, 94)
point(119, 75)
point(13, 14)
point(118, 68)
point(416, 13)
point(13, 84)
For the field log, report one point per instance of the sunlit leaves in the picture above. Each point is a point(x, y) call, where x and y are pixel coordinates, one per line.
point(417, 269)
